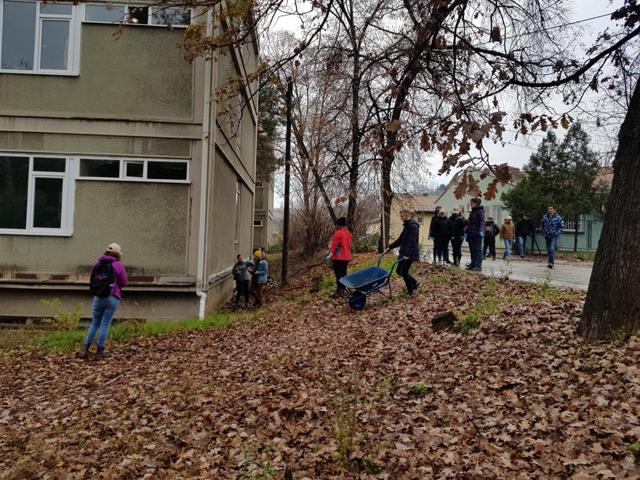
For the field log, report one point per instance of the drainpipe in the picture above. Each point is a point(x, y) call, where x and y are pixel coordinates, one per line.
point(201, 281)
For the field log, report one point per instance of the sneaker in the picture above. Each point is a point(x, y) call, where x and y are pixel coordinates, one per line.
point(476, 269)
point(416, 287)
point(550, 265)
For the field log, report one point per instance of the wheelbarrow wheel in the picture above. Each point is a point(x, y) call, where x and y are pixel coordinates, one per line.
point(357, 300)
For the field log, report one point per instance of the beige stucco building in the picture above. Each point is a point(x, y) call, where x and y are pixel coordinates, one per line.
point(423, 208)
point(107, 134)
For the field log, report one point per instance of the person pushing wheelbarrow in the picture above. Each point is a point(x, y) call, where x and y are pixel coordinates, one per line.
point(408, 241)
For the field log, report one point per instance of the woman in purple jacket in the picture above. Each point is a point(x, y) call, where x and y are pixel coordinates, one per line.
point(105, 304)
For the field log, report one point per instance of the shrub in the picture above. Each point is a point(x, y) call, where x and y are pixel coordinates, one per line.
point(62, 318)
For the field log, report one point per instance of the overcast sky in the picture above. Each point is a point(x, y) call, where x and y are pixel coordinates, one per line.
point(516, 152)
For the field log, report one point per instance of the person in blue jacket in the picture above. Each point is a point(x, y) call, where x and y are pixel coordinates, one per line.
point(552, 227)
point(260, 276)
point(408, 241)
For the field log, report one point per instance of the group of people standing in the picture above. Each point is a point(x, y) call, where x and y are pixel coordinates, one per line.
point(251, 277)
point(481, 233)
point(455, 228)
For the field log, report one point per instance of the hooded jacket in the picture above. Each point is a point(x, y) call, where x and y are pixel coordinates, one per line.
point(508, 231)
point(457, 225)
point(241, 272)
point(408, 241)
point(475, 227)
point(442, 228)
point(341, 244)
point(119, 274)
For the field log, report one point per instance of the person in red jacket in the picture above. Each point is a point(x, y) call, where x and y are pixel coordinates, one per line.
point(341, 252)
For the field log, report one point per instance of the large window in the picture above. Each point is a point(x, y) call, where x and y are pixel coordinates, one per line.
point(38, 37)
point(35, 195)
point(138, 15)
point(134, 170)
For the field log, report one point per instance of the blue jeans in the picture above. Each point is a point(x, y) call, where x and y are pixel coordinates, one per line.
point(475, 249)
point(103, 311)
point(522, 245)
point(552, 246)
point(507, 248)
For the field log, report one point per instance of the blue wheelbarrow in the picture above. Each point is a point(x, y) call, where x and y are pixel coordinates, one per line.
point(370, 280)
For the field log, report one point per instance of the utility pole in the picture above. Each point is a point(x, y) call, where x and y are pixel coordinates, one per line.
point(287, 181)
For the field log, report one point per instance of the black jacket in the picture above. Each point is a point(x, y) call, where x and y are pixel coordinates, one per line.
point(524, 228)
point(441, 228)
point(457, 224)
point(408, 241)
point(490, 229)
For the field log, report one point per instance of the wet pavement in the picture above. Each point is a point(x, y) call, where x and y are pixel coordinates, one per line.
point(534, 269)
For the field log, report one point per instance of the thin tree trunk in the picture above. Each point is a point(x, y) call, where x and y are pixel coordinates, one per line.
point(575, 233)
point(612, 309)
point(387, 193)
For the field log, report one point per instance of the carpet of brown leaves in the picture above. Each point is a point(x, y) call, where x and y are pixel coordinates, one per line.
point(310, 389)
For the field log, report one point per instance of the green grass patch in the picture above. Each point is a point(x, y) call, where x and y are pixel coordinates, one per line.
point(546, 291)
point(487, 305)
point(634, 449)
point(65, 341)
point(419, 390)
point(441, 280)
point(580, 256)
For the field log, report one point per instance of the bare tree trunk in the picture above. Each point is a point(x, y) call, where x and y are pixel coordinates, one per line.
point(612, 309)
point(387, 194)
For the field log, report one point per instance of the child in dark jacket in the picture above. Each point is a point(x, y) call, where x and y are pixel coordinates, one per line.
point(490, 232)
point(242, 276)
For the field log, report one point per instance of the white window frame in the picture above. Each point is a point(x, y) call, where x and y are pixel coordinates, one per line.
point(122, 177)
point(259, 185)
point(570, 227)
point(73, 53)
point(68, 196)
point(257, 224)
point(150, 10)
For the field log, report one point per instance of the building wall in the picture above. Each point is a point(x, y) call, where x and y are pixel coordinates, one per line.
point(114, 80)
point(262, 235)
point(493, 208)
point(134, 215)
point(138, 97)
point(229, 227)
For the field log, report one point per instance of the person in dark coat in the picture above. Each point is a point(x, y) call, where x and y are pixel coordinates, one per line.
point(524, 228)
point(442, 236)
point(457, 225)
point(242, 275)
point(431, 235)
point(408, 241)
point(490, 232)
point(475, 233)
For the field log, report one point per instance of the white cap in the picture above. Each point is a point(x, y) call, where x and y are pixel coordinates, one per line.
point(114, 248)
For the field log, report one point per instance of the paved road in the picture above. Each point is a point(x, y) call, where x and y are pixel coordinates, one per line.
point(565, 274)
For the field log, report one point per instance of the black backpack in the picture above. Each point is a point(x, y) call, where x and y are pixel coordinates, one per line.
point(101, 279)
